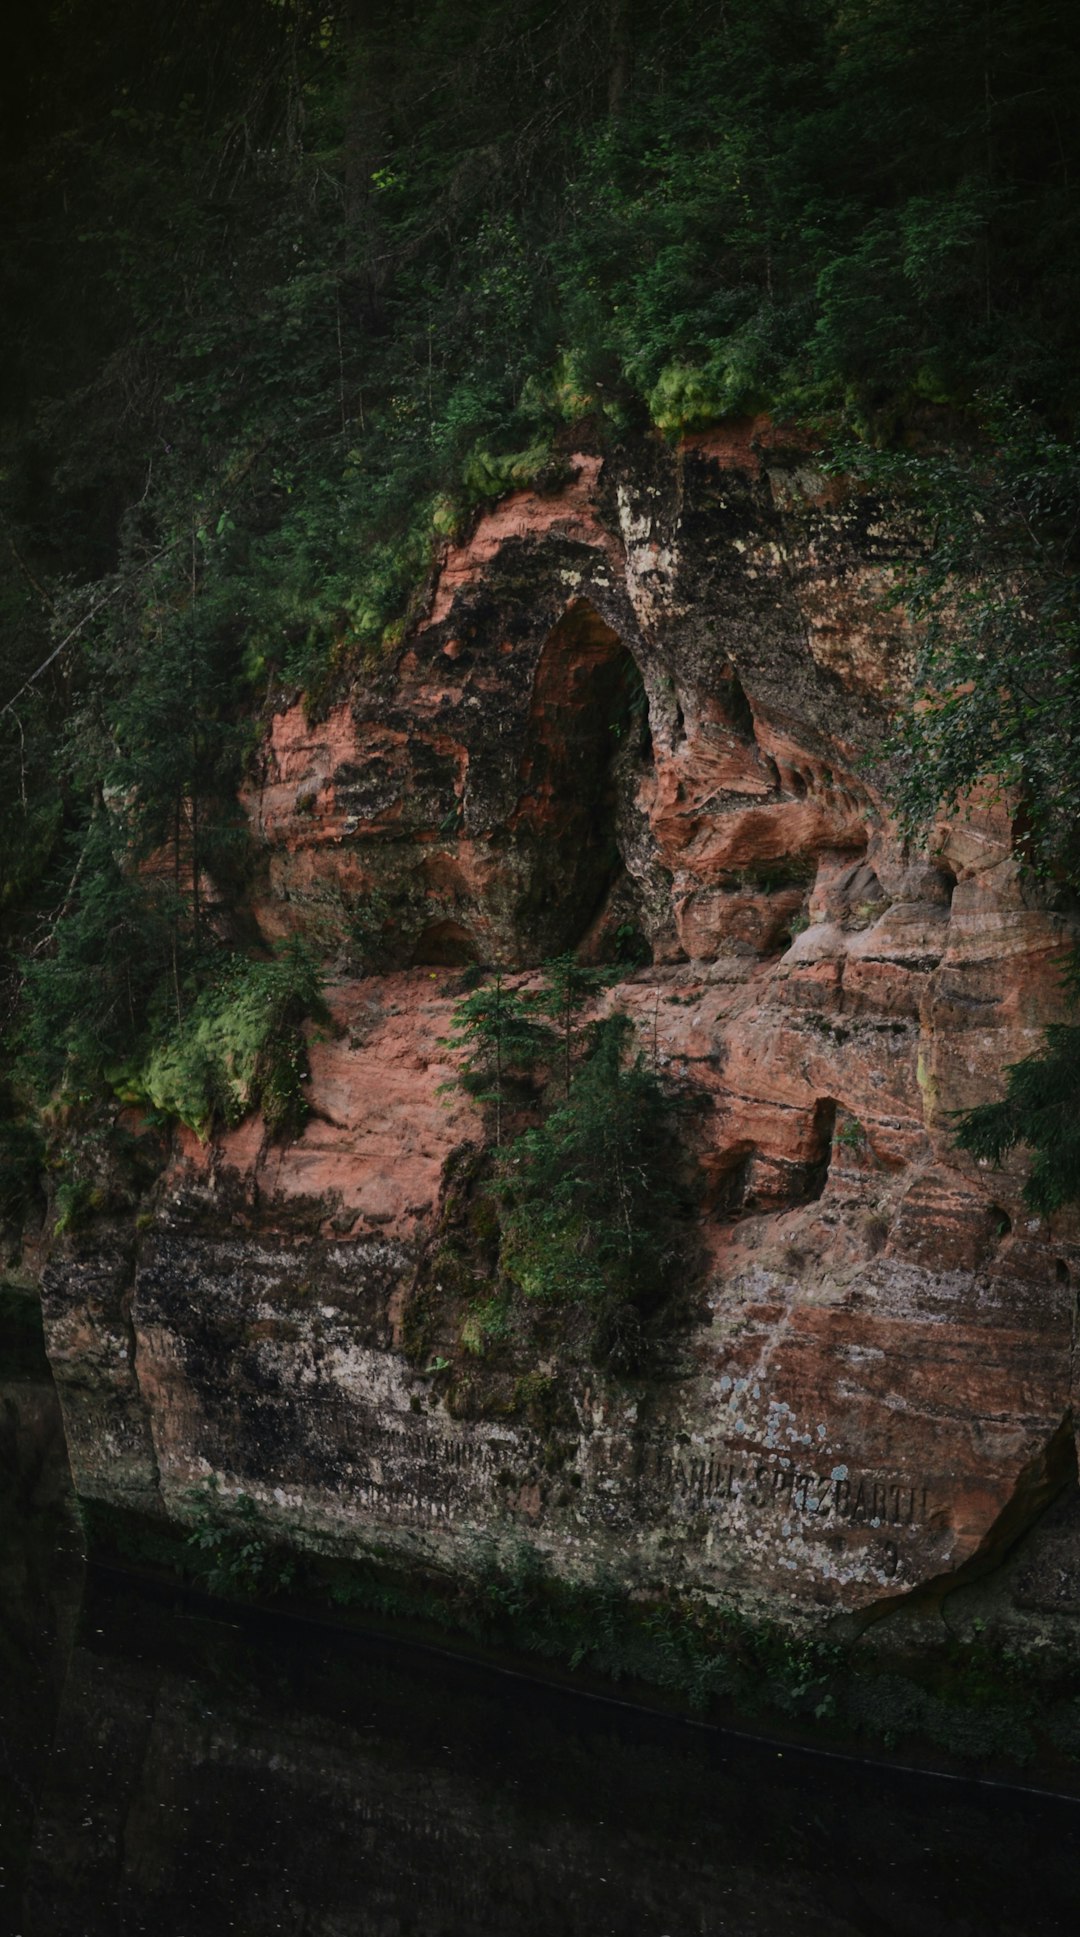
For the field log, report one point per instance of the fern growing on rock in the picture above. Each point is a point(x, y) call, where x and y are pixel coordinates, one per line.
point(240, 1047)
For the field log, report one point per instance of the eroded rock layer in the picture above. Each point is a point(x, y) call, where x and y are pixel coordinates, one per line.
point(640, 716)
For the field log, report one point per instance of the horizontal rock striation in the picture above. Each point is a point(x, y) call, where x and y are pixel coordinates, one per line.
point(640, 719)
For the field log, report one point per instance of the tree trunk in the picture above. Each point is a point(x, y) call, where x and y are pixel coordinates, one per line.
point(619, 55)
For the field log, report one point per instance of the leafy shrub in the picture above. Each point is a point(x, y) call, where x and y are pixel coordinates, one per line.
point(229, 1553)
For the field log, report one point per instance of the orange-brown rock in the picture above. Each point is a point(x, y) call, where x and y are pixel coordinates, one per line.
point(641, 707)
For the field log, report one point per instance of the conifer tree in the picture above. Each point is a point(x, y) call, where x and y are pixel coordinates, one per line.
point(568, 986)
point(591, 1211)
point(501, 1040)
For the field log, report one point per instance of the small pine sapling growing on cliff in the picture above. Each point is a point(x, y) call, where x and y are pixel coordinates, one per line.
point(568, 986)
point(590, 1208)
point(591, 1201)
point(499, 1036)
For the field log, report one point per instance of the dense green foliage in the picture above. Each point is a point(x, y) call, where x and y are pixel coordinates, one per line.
point(590, 1205)
point(288, 288)
point(587, 1203)
point(996, 593)
point(124, 997)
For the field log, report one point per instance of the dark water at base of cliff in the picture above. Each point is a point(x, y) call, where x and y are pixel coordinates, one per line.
point(183, 1773)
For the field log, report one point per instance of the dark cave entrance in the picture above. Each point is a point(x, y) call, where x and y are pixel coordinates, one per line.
point(588, 743)
point(444, 944)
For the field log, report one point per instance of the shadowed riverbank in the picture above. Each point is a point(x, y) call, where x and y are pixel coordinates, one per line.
point(175, 1769)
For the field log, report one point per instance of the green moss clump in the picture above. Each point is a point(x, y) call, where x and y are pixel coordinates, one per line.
point(687, 396)
point(239, 1048)
point(684, 398)
point(486, 475)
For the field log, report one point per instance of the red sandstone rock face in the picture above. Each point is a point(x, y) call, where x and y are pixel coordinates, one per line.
point(372, 1154)
point(524, 517)
point(642, 702)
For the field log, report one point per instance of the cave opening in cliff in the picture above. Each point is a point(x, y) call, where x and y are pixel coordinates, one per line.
point(588, 745)
point(445, 944)
point(823, 1135)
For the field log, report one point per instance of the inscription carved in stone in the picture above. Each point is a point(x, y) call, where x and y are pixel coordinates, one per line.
point(717, 1479)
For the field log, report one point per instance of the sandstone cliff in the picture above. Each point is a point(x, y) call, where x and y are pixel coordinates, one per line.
point(871, 1386)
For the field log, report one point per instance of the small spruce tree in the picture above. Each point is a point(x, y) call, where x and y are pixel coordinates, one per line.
point(568, 986)
point(1039, 1109)
point(590, 1206)
point(497, 1031)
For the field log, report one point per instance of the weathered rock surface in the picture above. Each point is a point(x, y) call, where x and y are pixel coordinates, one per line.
point(642, 706)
